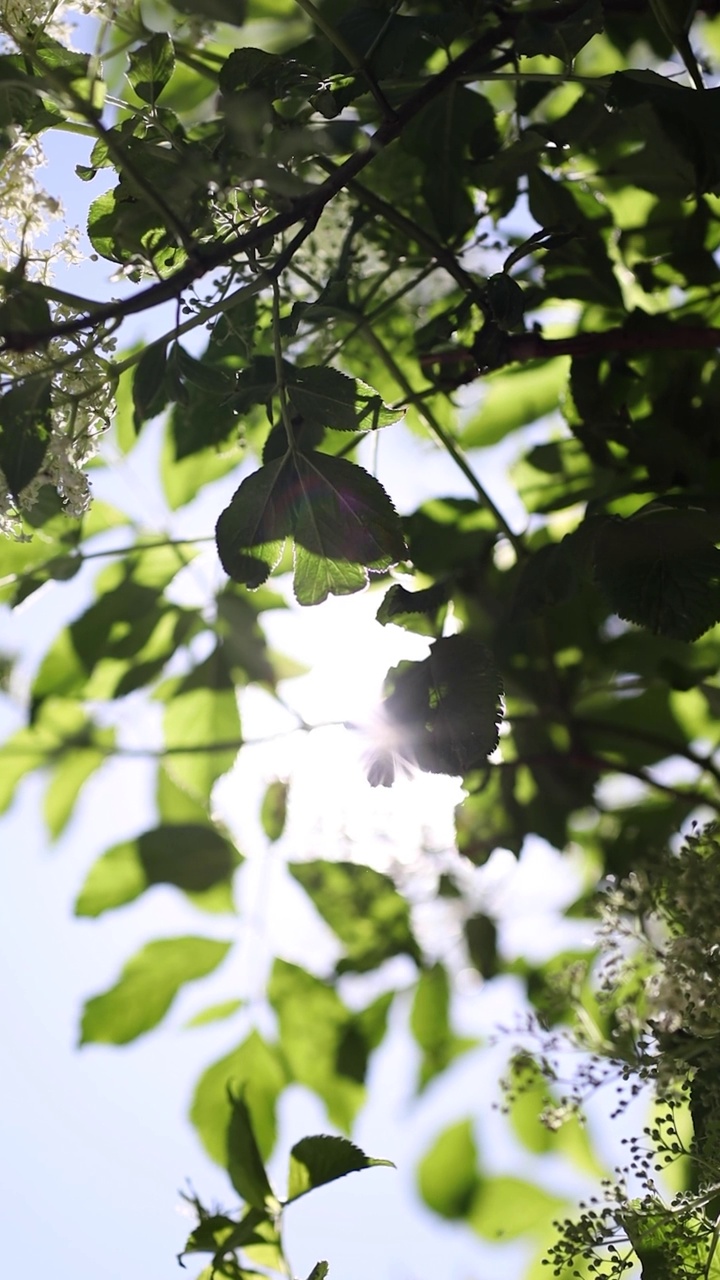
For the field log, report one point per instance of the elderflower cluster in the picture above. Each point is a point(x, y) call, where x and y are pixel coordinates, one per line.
point(665, 926)
point(82, 403)
point(34, 236)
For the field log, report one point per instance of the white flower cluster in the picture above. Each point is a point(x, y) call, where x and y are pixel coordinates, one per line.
point(82, 403)
point(34, 235)
point(664, 927)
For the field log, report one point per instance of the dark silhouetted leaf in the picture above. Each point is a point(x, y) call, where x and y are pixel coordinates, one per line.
point(661, 569)
point(323, 1158)
point(24, 431)
point(447, 709)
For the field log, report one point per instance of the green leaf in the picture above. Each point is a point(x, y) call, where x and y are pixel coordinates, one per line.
point(342, 520)
point(150, 390)
point(443, 137)
point(24, 431)
point(661, 569)
point(447, 709)
point(252, 530)
point(151, 66)
point(273, 809)
point(124, 639)
point(481, 939)
point(147, 987)
point(529, 1101)
point(24, 309)
point(430, 1025)
point(448, 1177)
point(504, 1208)
point(60, 727)
point(421, 611)
point(258, 1069)
point(244, 1163)
point(364, 910)
point(345, 524)
point(324, 397)
point(314, 1023)
point(230, 11)
point(319, 1271)
point(215, 1013)
point(69, 777)
point(193, 856)
point(175, 804)
point(202, 726)
point(320, 1159)
point(513, 398)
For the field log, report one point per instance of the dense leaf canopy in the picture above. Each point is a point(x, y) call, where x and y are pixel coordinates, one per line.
point(341, 222)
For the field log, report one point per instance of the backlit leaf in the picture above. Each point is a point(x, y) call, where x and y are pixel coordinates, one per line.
point(364, 910)
point(273, 810)
point(313, 1022)
point(342, 521)
point(661, 569)
point(193, 856)
point(244, 1163)
point(448, 1176)
point(147, 987)
point(151, 66)
point(258, 1069)
point(431, 1028)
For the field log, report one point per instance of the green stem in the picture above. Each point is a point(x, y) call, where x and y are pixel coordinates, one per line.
point(279, 371)
point(445, 440)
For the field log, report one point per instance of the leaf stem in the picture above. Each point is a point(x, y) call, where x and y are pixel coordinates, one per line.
point(445, 440)
point(279, 371)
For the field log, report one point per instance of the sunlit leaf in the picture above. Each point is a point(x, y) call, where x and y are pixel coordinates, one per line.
point(431, 1027)
point(194, 856)
point(147, 987)
point(313, 1024)
point(364, 910)
point(513, 398)
point(151, 66)
point(202, 726)
point(448, 1176)
point(244, 1162)
point(258, 1069)
point(505, 1207)
point(215, 1013)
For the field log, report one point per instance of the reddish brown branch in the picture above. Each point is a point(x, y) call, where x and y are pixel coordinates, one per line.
point(520, 347)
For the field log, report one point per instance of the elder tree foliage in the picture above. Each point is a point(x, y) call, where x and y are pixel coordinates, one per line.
point(356, 210)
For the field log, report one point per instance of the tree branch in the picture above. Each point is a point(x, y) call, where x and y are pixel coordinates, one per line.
point(493, 350)
point(303, 209)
